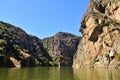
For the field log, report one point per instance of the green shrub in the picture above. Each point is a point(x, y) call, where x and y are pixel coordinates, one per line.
point(54, 61)
point(2, 28)
point(1, 48)
point(95, 59)
point(117, 57)
point(37, 62)
point(107, 55)
point(45, 47)
point(2, 41)
point(2, 54)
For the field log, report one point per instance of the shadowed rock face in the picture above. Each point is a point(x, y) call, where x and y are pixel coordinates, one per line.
point(100, 29)
point(62, 48)
point(19, 48)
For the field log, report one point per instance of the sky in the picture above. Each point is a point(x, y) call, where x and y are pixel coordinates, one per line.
point(44, 18)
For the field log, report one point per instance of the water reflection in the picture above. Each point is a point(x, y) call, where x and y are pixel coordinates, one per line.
point(97, 74)
point(55, 73)
point(38, 73)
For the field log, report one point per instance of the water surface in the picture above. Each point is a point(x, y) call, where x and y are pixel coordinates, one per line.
point(55, 73)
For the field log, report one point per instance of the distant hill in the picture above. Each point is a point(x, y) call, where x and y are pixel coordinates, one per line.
point(62, 48)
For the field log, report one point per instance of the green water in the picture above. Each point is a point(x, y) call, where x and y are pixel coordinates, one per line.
point(54, 73)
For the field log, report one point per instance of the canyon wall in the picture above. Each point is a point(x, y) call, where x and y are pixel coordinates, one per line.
point(100, 29)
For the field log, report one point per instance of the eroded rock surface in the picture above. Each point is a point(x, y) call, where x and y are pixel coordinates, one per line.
point(100, 29)
point(62, 48)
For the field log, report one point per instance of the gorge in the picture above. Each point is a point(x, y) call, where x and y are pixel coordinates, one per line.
point(97, 47)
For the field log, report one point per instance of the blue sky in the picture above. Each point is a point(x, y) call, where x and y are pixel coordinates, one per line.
point(44, 18)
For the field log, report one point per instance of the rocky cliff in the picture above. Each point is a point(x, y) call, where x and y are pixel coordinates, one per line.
point(100, 29)
point(62, 48)
point(17, 48)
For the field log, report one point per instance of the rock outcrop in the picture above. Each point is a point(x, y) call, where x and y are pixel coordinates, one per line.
point(100, 29)
point(17, 48)
point(62, 48)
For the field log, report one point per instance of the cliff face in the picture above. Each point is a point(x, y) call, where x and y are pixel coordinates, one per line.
point(62, 47)
point(100, 28)
point(17, 48)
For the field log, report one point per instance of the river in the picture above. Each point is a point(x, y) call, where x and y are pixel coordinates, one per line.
point(55, 73)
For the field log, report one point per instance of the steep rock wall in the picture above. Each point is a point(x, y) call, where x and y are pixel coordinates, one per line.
point(100, 29)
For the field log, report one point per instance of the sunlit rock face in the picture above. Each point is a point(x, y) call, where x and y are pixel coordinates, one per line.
point(100, 29)
point(62, 48)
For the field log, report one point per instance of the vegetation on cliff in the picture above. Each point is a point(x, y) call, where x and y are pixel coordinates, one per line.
point(17, 48)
